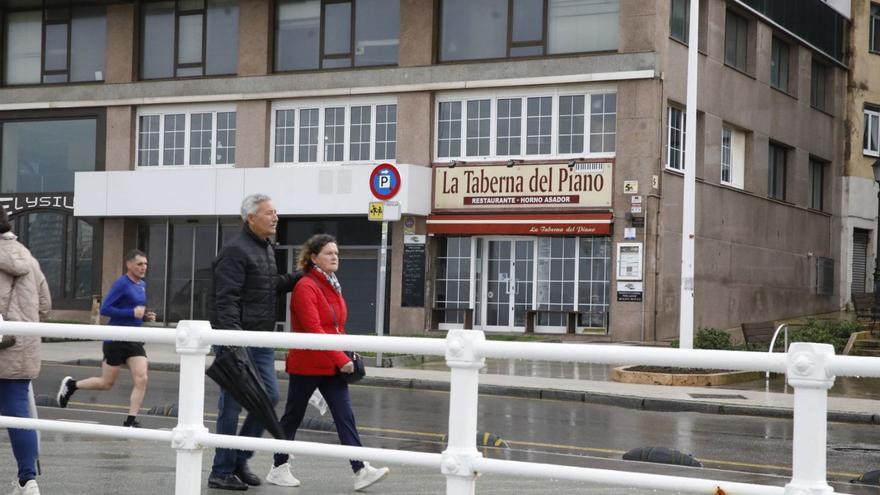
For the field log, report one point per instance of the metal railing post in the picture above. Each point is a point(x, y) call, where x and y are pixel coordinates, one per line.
point(190, 407)
point(464, 362)
point(810, 378)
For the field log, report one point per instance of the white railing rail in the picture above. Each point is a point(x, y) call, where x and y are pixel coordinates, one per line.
point(810, 369)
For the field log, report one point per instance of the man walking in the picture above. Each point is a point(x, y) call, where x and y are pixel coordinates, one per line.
point(125, 304)
point(246, 286)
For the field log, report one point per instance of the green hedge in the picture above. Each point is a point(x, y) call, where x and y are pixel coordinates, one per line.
point(831, 332)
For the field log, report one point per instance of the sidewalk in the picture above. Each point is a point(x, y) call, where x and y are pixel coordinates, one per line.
point(504, 377)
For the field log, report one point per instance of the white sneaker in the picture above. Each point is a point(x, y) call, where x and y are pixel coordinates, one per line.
point(29, 488)
point(281, 476)
point(368, 475)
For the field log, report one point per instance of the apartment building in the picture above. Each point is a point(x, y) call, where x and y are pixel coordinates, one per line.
point(540, 145)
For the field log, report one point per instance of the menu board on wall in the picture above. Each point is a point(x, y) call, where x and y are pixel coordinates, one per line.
point(412, 274)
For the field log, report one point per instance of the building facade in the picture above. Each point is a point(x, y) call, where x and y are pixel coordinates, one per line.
point(540, 147)
point(859, 209)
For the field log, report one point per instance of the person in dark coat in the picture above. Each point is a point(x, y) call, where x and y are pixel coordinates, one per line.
point(246, 287)
point(317, 306)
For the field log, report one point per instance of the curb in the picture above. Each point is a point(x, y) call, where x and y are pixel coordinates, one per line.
point(629, 402)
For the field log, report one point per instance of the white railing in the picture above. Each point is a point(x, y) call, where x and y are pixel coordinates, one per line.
point(810, 369)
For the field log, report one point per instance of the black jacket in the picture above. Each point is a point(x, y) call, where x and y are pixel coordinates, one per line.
point(247, 284)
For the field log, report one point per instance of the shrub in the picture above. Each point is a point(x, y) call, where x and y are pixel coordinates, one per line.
point(835, 333)
point(709, 338)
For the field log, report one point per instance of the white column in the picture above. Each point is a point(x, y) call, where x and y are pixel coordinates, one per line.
point(465, 363)
point(190, 407)
point(688, 205)
point(808, 375)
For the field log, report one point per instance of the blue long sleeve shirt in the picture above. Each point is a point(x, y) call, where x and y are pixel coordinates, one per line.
point(120, 302)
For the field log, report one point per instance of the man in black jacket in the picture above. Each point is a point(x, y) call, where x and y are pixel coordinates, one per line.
point(246, 287)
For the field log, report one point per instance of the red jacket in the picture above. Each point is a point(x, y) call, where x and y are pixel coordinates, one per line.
point(310, 313)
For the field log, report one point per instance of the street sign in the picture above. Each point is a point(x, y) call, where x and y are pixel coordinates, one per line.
point(384, 181)
point(630, 187)
point(375, 213)
point(383, 211)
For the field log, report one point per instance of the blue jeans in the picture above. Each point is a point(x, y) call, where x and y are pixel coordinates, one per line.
point(227, 460)
point(335, 392)
point(14, 403)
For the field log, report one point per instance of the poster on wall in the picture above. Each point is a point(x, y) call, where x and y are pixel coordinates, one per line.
point(629, 261)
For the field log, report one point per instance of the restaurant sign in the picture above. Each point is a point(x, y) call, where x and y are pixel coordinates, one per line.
point(16, 203)
point(554, 186)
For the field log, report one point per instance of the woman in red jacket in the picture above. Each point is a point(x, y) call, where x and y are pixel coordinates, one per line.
point(317, 306)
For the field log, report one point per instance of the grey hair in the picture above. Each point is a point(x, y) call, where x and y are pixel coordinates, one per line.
point(251, 204)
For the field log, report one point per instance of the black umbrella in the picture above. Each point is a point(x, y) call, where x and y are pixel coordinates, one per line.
point(234, 370)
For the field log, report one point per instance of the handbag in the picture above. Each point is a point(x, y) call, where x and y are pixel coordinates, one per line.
point(356, 359)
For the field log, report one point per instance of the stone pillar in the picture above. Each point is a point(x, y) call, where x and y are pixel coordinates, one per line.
point(256, 28)
point(121, 43)
point(120, 236)
point(417, 33)
point(252, 134)
point(120, 138)
point(414, 128)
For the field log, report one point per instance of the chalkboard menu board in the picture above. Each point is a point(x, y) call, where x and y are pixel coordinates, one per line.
point(413, 274)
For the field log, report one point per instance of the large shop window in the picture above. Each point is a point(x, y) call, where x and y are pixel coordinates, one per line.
point(64, 246)
point(43, 155)
point(186, 136)
point(526, 28)
point(179, 279)
point(185, 38)
point(501, 126)
point(334, 131)
point(58, 44)
point(509, 283)
point(356, 33)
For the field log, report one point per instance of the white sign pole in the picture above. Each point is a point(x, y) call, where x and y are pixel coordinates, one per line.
point(380, 287)
point(688, 208)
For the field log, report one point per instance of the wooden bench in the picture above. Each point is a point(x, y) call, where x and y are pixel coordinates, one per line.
point(438, 313)
point(759, 332)
point(863, 302)
point(571, 318)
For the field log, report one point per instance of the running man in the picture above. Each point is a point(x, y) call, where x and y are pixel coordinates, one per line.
point(125, 304)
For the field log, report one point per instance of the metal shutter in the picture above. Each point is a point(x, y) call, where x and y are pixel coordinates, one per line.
point(859, 261)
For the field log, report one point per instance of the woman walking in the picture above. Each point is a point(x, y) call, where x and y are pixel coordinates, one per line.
point(317, 306)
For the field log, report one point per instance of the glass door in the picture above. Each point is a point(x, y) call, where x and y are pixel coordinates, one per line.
point(508, 265)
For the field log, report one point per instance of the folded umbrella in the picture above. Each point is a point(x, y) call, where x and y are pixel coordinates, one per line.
point(234, 370)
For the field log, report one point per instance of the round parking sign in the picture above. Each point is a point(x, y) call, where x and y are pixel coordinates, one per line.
point(384, 181)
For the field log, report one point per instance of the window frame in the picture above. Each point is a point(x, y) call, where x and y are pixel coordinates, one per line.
point(816, 164)
point(322, 104)
point(321, 32)
point(874, 28)
point(744, 40)
point(187, 111)
point(510, 44)
point(69, 7)
point(736, 165)
point(872, 121)
point(555, 93)
point(774, 149)
point(683, 131)
point(781, 83)
point(176, 65)
point(687, 15)
point(818, 84)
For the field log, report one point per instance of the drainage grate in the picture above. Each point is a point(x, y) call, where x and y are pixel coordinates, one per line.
point(716, 396)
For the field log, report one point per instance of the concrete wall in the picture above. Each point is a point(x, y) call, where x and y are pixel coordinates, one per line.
point(121, 44)
point(252, 133)
point(255, 37)
point(755, 257)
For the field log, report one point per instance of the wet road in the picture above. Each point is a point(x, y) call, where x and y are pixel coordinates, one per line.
point(537, 430)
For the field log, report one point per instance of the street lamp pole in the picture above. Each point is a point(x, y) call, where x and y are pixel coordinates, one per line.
point(876, 168)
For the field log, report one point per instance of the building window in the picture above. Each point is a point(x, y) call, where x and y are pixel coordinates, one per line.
point(675, 136)
point(452, 287)
point(594, 281)
point(777, 172)
point(56, 45)
point(678, 20)
point(179, 136)
point(871, 134)
point(301, 125)
point(817, 184)
point(524, 28)
point(818, 81)
point(874, 42)
point(540, 126)
point(736, 41)
point(779, 65)
point(185, 38)
point(357, 33)
point(732, 157)
point(42, 156)
point(478, 120)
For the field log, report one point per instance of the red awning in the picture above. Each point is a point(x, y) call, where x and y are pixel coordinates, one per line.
point(522, 224)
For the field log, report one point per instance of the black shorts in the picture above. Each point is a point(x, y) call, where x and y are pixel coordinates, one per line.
point(116, 353)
